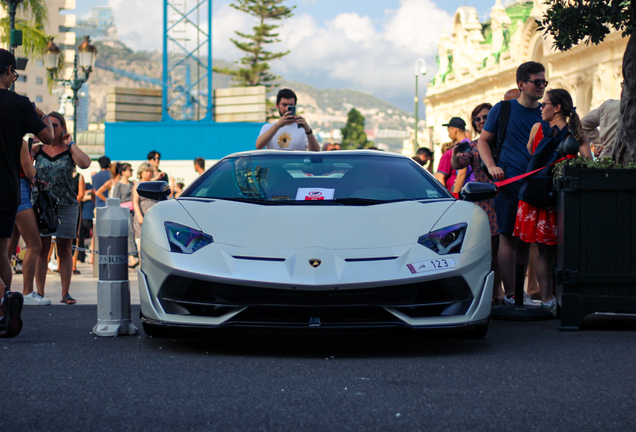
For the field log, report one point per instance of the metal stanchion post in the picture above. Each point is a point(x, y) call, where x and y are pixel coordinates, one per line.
point(113, 287)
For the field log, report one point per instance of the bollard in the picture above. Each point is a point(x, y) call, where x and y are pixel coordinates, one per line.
point(113, 286)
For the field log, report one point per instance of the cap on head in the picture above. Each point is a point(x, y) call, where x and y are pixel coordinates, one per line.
point(457, 123)
point(6, 59)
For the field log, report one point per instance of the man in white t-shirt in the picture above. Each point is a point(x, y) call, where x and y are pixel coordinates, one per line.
point(290, 132)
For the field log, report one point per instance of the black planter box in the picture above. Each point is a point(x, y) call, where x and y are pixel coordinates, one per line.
point(596, 257)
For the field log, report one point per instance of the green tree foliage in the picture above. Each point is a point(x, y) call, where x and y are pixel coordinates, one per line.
point(572, 21)
point(353, 135)
point(31, 17)
point(254, 67)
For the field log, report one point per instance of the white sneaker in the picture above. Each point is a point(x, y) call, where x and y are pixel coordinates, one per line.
point(527, 301)
point(551, 306)
point(36, 299)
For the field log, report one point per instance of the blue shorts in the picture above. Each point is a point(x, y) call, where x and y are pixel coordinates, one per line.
point(7, 220)
point(506, 203)
point(25, 195)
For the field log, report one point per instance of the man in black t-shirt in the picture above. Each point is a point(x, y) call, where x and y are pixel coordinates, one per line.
point(18, 117)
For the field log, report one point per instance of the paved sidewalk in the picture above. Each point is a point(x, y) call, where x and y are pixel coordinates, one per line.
point(83, 286)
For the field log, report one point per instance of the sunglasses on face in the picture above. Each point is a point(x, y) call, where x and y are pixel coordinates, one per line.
point(538, 82)
point(479, 119)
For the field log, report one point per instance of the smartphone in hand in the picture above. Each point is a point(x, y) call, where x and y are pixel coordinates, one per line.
point(464, 147)
point(292, 109)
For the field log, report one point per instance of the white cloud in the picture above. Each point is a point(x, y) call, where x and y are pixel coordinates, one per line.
point(139, 24)
point(351, 51)
point(225, 21)
point(416, 25)
point(354, 27)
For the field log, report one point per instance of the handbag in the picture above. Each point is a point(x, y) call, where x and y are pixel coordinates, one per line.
point(538, 189)
point(46, 206)
point(127, 205)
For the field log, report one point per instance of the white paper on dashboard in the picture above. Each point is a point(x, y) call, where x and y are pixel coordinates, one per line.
point(309, 194)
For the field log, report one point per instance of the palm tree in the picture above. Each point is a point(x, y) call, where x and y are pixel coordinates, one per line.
point(31, 17)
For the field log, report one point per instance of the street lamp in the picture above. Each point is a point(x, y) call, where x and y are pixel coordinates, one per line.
point(420, 68)
point(86, 56)
point(15, 35)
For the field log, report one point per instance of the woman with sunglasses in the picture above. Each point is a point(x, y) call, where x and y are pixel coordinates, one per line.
point(55, 164)
point(538, 224)
point(470, 158)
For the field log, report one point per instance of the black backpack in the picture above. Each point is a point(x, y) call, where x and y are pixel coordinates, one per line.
point(46, 205)
point(495, 149)
point(537, 189)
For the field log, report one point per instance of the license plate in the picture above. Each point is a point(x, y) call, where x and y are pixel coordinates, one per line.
point(432, 265)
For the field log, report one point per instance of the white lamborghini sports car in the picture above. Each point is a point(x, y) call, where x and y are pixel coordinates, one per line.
point(341, 239)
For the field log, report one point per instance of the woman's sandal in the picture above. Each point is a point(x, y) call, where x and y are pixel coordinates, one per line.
point(76, 271)
point(68, 300)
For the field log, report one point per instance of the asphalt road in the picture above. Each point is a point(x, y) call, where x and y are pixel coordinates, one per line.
point(522, 377)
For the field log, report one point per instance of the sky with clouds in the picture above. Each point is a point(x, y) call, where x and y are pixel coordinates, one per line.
point(365, 45)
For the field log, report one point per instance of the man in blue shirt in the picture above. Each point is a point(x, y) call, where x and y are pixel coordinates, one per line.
point(100, 178)
point(513, 160)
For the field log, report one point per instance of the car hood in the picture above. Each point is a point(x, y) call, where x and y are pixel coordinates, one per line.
point(325, 226)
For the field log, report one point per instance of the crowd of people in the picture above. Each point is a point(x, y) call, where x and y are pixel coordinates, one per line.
point(500, 144)
point(49, 160)
point(509, 134)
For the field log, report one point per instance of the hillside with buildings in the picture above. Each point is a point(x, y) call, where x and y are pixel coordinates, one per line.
point(325, 109)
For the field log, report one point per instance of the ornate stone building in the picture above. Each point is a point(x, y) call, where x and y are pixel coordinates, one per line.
point(478, 62)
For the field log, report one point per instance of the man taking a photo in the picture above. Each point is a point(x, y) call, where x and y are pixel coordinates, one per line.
point(290, 132)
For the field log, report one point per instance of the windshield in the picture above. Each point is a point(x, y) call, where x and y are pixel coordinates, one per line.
point(334, 178)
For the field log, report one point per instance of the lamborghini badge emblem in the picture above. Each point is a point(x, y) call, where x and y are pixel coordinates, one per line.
point(315, 262)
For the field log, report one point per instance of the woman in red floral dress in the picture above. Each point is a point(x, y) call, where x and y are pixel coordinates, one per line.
point(539, 224)
point(471, 158)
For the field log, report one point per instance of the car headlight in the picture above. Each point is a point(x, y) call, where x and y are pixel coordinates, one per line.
point(186, 240)
point(446, 240)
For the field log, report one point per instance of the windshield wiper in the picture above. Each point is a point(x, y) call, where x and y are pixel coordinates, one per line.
point(262, 201)
point(359, 201)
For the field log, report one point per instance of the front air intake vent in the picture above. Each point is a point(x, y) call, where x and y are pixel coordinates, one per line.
point(371, 259)
point(252, 258)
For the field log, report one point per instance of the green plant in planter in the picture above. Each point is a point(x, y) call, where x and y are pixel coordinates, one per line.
point(581, 161)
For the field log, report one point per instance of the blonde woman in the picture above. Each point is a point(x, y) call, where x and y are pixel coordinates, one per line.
point(141, 204)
